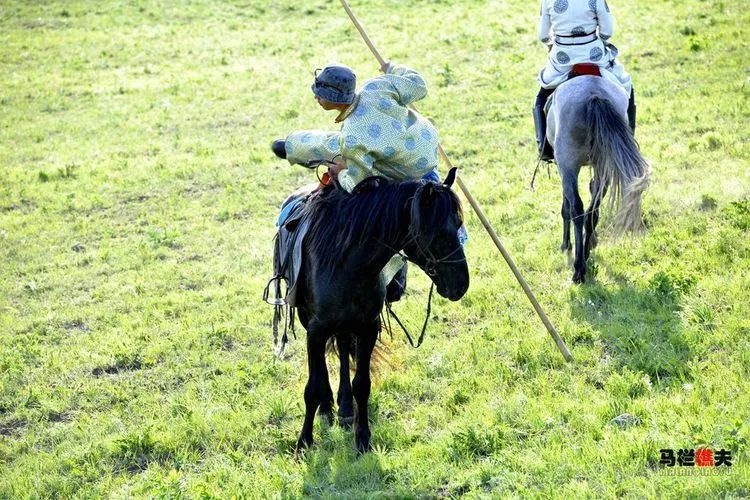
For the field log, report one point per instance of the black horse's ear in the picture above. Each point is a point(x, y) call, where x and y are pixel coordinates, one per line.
point(450, 178)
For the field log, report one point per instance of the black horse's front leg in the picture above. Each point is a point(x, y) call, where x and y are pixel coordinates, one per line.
point(361, 385)
point(318, 388)
point(344, 396)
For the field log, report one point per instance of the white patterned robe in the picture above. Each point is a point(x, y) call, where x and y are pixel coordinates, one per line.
point(379, 135)
point(579, 32)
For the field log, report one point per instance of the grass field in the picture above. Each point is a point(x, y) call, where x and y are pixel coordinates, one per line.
point(137, 199)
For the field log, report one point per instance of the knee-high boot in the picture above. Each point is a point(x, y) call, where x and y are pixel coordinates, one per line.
point(631, 110)
point(540, 124)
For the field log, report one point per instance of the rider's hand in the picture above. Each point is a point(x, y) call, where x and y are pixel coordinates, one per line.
point(338, 166)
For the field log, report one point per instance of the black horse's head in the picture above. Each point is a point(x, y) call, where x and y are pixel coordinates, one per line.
point(432, 242)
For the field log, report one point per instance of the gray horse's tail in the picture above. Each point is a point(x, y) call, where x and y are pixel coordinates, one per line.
point(618, 163)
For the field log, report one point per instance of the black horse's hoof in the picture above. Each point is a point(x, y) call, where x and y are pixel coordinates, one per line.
point(363, 441)
point(565, 247)
point(579, 278)
point(302, 445)
point(327, 416)
point(363, 447)
point(279, 148)
point(346, 422)
point(594, 239)
point(304, 442)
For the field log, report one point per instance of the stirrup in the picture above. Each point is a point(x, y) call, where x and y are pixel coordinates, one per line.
point(279, 298)
point(281, 311)
point(546, 152)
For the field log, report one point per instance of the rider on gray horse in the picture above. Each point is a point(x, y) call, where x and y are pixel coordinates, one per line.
point(576, 32)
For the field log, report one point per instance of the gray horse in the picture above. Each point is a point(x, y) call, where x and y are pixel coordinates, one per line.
point(587, 124)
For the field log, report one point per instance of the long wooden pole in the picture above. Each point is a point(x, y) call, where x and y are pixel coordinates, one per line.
point(474, 205)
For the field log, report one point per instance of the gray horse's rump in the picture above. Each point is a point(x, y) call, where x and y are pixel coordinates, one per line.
point(567, 114)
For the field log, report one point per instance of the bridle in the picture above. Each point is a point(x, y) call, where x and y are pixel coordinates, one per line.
point(431, 262)
point(430, 268)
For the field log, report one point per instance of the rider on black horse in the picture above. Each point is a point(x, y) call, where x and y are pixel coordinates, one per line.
point(379, 135)
point(576, 32)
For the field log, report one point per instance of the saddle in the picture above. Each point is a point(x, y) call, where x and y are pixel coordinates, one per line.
point(281, 289)
point(287, 252)
point(584, 69)
point(581, 69)
point(294, 221)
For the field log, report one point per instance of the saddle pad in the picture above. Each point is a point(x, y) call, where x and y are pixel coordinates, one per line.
point(578, 70)
point(287, 258)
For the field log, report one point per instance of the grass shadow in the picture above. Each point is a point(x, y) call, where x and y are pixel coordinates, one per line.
point(640, 326)
point(334, 468)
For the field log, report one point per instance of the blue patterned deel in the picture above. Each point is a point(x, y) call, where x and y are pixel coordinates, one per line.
point(561, 6)
point(380, 135)
point(374, 130)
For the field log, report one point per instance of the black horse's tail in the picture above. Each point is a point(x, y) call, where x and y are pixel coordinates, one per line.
point(617, 163)
point(379, 359)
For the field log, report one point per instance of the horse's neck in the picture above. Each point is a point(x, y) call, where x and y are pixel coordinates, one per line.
point(369, 259)
point(371, 256)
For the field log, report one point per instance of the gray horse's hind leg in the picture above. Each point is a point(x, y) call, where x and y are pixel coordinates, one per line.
point(598, 192)
point(570, 192)
point(565, 212)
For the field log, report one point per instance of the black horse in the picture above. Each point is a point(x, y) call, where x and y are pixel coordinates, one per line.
point(341, 293)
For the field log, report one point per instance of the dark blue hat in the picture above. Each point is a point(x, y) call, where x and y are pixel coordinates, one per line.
point(335, 83)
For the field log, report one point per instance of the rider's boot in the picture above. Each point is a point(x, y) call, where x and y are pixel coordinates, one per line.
point(279, 148)
point(540, 123)
point(396, 288)
point(631, 111)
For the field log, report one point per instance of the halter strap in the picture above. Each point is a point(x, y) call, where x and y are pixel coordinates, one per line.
point(424, 325)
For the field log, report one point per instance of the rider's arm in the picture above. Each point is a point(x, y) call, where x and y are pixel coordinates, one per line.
point(305, 146)
point(606, 21)
point(545, 24)
point(358, 168)
point(403, 84)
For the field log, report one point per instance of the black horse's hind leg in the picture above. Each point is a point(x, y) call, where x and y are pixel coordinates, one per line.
point(318, 388)
point(598, 192)
point(326, 404)
point(565, 212)
point(344, 397)
point(361, 385)
point(570, 192)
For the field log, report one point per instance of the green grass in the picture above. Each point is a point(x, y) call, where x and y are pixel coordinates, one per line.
point(137, 199)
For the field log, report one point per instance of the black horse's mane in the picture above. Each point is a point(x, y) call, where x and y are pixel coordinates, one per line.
point(375, 213)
